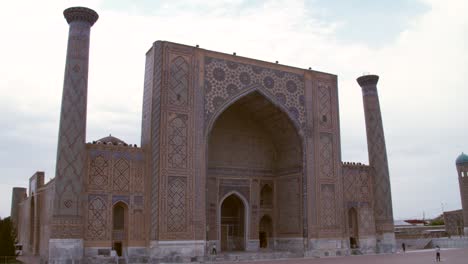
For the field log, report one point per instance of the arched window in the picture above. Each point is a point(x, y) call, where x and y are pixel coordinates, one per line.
point(265, 231)
point(119, 217)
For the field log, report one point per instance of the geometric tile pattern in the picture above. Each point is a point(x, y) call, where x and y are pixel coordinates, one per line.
point(326, 155)
point(378, 158)
point(324, 98)
point(97, 218)
point(328, 206)
point(226, 79)
point(154, 67)
point(366, 221)
point(71, 144)
point(66, 227)
point(356, 184)
point(121, 175)
point(138, 180)
point(176, 203)
point(99, 173)
point(454, 223)
point(179, 81)
point(177, 141)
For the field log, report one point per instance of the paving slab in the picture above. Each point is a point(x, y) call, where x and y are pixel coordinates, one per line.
point(452, 256)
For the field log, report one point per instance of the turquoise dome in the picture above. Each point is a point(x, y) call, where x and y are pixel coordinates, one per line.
point(463, 158)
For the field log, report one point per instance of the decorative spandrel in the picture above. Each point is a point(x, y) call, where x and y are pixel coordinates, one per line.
point(227, 79)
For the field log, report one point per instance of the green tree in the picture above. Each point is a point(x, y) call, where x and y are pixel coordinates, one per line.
point(436, 222)
point(7, 239)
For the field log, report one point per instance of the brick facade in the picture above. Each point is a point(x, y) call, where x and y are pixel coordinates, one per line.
point(263, 137)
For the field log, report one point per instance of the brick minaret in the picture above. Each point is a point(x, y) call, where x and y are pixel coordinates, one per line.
point(383, 211)
point(462, 169)
point(72, 131)
point(67, 215)
point(18, 195)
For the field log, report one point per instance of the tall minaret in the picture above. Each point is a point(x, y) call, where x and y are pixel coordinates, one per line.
point(462, 169)
point(72, 131)
point(383, 211)
point(67, 215)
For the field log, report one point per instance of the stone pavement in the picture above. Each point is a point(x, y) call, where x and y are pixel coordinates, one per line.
point(29, 259)
point(452, 256)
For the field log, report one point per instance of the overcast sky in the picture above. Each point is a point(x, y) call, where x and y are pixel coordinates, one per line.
point(418, 47)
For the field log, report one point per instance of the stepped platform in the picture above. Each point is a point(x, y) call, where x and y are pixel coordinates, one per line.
point(251, 256)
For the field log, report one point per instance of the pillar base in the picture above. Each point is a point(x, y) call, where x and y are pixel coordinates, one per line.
point(252, 245)
point(386, 243)
point(327, 247)
point(367, 245)
point(176, 251)
point(69, 251)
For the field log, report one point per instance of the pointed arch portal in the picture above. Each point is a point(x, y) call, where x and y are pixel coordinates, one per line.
point(253, 140)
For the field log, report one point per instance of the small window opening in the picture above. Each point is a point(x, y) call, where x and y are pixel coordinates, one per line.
point(324, 118)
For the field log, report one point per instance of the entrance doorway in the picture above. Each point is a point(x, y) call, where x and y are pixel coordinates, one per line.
point(118, 248)
point(353, 228)
point(232, 224)
point(265, 231)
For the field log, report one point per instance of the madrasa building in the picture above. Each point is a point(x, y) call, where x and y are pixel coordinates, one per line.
point(237, 155)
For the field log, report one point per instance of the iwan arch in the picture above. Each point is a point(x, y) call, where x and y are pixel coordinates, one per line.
point(236, 155)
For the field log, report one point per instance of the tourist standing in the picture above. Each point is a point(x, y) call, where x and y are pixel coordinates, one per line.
point(437, 253)
point(403, 246)
point(213, 250)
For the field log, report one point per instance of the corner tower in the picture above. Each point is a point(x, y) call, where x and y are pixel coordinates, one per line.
point(66, 229)
point(383, 211)
point(462, 169)
point(18, 195)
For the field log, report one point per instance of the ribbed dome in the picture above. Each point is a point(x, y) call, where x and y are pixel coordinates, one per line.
point(463, 158)
point(112, 140)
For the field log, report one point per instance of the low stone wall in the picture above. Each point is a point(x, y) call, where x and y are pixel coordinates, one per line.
point(425, 243)
point(412, 243)
point(454, 242)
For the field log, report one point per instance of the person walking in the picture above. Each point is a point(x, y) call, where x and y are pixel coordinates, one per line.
point(403, 246)
point(437, 254)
